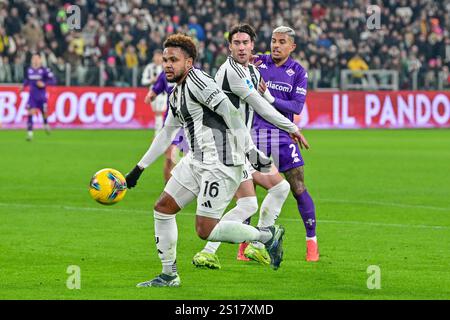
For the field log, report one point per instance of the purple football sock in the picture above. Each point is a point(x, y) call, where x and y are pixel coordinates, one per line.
point(30, 123)
point(306, 208)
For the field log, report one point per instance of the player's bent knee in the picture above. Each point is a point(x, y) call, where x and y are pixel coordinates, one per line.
point(204, 226)
point(203, 231)
point(203, 234)
point(166, 204)
point(282, 188)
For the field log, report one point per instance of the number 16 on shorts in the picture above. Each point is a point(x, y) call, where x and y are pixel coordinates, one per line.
point(210, 190)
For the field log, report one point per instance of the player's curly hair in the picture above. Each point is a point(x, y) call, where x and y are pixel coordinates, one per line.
point(243, 28)
point(183, 42)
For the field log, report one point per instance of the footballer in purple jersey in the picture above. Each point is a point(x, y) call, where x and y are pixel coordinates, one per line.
point(37, 78)
point(285, 88)
point(160, 86)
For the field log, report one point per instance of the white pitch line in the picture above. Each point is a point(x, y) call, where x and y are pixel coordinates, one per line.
point(190, 214)
point(388, 204)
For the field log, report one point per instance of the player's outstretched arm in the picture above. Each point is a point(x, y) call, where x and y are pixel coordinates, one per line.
point(159, 145)
point(234, 121)
point(269, 113)
point(151, 95)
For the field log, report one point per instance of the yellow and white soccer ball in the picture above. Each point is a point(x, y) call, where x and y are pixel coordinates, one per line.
point(108, 186)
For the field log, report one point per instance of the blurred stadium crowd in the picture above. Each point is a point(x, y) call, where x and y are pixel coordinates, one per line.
point(413, 38)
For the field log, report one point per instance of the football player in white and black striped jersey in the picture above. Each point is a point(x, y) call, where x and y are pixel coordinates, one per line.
point(211, 172)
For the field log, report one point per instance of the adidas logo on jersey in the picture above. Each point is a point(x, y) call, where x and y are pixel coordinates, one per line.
point(207, 204)
point(249, 84)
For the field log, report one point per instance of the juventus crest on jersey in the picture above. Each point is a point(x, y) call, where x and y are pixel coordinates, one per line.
point(192, 105)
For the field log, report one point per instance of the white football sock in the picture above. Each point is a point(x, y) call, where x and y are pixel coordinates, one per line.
point(271, 207)
point(272, 204)
point(312, 238)
point(166, 236)
point(245, 207)
point(237, 232)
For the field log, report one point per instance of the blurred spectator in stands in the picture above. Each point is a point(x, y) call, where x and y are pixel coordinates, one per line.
point(93, 71)
point(193, 25)
point(4, 42)
point(13, 23)
point(59, 69)
point(318, 12)
point(131, 62)
point(112, 75)
point(446, 77)
point(357, 64)
point(32, 33)
point(142, 52)
point(5, 70)
point(18, 68)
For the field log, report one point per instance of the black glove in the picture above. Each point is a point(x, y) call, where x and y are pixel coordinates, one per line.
point(259, 160)
point(133, 176)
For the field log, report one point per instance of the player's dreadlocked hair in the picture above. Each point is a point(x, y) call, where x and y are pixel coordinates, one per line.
point(183, 42)
point(243, 28)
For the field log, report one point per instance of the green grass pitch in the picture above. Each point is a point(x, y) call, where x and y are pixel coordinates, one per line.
point(382, 198)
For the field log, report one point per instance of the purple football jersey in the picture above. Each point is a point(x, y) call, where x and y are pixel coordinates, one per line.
point(287, 84)
point(33, 76)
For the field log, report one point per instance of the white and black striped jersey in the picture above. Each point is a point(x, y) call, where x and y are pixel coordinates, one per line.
point(238, 82)
point(151, 72)
point(193, 104)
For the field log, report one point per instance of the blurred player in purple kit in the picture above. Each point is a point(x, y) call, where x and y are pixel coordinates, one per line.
point(37, 78)
point(285, 88)
point(162, 88)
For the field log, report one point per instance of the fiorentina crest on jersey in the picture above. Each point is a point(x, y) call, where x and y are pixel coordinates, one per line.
point(290, 72)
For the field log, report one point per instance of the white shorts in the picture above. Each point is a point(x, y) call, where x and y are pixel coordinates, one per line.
point(248, 171)
point(159, 104)
point(214, 186)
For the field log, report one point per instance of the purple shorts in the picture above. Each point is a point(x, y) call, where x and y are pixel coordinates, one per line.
point(281, 147)
point(37, 104)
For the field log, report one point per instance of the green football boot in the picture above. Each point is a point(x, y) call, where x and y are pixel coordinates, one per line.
point(259, 255)
point(205, 259)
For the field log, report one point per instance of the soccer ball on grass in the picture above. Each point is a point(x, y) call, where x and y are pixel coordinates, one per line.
point(108, 186)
